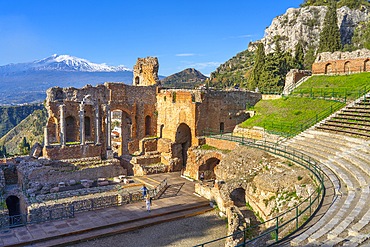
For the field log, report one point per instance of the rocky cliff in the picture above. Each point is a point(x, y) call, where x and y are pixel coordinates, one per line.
point(306, 23)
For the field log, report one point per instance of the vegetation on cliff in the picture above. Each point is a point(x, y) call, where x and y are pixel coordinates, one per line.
point(266, 63)
point(10, 116)
point(29, 131)
point(353, 4)
point(330, 34)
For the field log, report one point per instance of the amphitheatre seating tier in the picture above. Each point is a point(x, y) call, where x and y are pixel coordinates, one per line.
point(353, 120)
point(347, 221)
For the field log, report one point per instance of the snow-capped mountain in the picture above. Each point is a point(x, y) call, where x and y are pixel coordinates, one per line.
point(27, 82)
point(62, 63)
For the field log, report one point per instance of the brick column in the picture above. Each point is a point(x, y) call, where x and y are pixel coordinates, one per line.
point(82, 123)
point(62, 125)
point(108, 122)
point(46, 137)
point(97, 125)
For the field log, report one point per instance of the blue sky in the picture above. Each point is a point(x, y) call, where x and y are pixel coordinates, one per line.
point(182, 33)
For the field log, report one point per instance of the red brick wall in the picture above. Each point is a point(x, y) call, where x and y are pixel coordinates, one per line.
point(341, 66)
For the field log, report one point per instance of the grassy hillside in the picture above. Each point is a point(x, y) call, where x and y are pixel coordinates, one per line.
point(288, 115)
point(10, 116)
point(338, 86)
point(31, 128)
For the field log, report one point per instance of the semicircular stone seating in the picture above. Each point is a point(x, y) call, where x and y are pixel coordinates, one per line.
point(341, 143)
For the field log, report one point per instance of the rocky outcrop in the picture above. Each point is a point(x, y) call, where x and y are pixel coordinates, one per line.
point(306, 23)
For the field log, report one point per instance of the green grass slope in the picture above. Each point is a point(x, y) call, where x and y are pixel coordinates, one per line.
point(336, 86)
point(289, 115)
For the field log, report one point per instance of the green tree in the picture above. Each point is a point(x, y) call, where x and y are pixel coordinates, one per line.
point(310, 57)
point(258, 67)
point(24, 146)
point(299, 56)
point(361, 36)
point(330, 34)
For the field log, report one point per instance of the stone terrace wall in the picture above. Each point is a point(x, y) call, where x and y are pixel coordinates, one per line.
point(342, 62)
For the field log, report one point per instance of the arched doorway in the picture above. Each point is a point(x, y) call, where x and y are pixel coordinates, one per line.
point(328, 68)
point(13, 205)
point(183, 137)
point(148, 126)
point(238, 197)
point(70, 129)
point(208, 168)
point(367, 65)
point(347, 67)
point(137, 80)
point(121, 132)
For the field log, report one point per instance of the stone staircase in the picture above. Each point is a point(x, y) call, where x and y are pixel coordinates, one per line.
point(352, 120)
point(347, 221)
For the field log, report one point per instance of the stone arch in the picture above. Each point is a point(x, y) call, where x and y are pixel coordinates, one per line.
point(70, 129)
point(347, 67)
point(137, 80)
point(161, 130)
point(122, 131)
point(367, 65)
point(183, 137)
point(87, 126)
point(13, 205)
point(238, 197)
point(208, 168)
point(328, 68)
point(148, 125)
point(53, 129)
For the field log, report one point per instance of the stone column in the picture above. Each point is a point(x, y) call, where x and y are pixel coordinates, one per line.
point(97, 125)
point(109, 137)
point(62, 125)
point(82, 123)
point(46, 137)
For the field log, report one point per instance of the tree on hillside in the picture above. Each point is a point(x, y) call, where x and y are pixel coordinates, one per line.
point(299, 56)
point(310, 57)
point(258, 67)
point(276, 67)
point(361, 36)
point(2, 151)
point(330, 34)
point(24, 146)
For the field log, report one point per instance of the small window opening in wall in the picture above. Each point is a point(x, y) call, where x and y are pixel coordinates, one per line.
point(222, 127)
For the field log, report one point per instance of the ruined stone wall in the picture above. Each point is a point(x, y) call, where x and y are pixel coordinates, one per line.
point(224, 110)
point(138, 106)
point(342, 62)
point(59, 152)
point(202, 110)
point(293, 76)
point(146, 72)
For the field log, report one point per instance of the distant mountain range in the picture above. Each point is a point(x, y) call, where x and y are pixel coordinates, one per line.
point(187, 78)
point(27, 82)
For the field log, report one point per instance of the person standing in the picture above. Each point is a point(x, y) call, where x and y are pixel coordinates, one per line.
point(148, 202)
point(145, 190)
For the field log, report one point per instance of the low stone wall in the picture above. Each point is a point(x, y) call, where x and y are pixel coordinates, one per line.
point(72, 151)
point(222, 144)
point(257, 133)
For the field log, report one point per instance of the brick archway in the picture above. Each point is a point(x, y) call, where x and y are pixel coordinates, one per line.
point(183, 137)
point(328, 68)
point(367, 65)
point(347, 67)
point(208, 168)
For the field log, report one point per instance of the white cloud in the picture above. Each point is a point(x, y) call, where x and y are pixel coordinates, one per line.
point(205, 65)
point(185, 55)
point(241, 36)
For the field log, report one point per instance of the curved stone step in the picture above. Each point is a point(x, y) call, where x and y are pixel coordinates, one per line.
point(334, 220)
point(356, 240)
point(353, 214)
